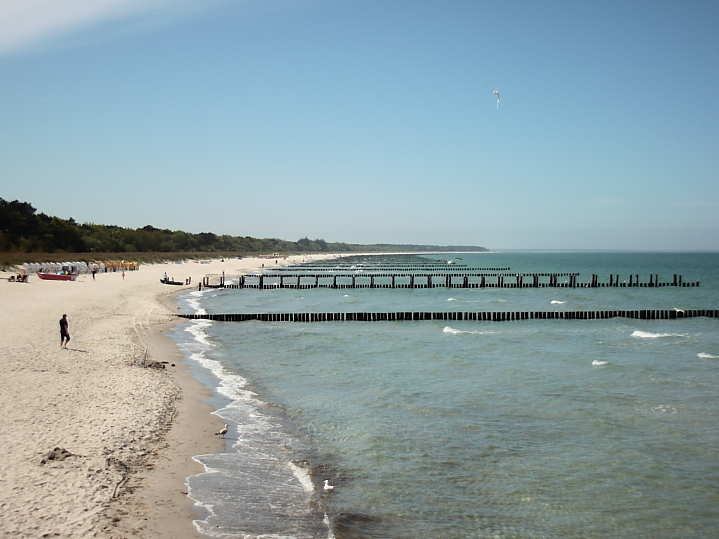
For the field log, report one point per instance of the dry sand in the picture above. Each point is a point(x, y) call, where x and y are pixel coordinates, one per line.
point(131, 431)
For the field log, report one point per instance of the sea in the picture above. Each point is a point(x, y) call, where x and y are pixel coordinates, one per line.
point(465, 429)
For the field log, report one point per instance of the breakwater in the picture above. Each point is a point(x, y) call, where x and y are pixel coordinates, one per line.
point(302, 281)
point(482, 316)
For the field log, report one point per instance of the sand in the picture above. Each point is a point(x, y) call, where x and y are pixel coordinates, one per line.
point(128, 432)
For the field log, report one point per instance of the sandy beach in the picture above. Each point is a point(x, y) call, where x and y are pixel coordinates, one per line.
point(127, 432)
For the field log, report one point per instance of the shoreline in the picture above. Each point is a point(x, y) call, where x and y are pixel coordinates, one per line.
point(130, 432)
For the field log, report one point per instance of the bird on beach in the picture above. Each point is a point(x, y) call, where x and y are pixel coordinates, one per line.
point(495, 92)
point(328, 486)
point(222, 431)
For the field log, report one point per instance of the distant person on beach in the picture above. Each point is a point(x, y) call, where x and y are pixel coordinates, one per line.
point(165, 277)
point(64, 332)
point(94, 271)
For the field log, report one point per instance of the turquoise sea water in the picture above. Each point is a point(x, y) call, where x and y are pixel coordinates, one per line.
point(523, 429)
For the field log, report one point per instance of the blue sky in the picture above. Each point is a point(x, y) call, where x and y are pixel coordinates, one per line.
point(369, 121)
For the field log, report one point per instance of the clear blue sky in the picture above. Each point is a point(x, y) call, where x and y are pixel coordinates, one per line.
point(368, 121)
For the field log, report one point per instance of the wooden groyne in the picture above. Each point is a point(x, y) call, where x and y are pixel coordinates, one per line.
point(436, 280)
point(483, 316)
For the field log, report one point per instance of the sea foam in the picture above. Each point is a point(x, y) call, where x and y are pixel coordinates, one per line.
point(650, 335)
point(704, 355)
point(453, 331)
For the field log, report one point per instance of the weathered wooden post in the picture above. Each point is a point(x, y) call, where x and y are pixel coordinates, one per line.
point(282, 281)
point(448, 281)
point(411, 281)
point(262, 282)
point(429, 281)
point(334, 282)
point(465, 282)
point(353, 282)
point(393, 285)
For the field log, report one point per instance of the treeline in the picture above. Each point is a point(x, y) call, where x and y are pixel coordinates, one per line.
point(23, 230)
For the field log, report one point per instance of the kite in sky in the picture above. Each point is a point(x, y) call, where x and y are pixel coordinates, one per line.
point(495, 92)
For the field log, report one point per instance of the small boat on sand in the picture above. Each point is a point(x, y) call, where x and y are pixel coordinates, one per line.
point(57, 276)
point(168, 281)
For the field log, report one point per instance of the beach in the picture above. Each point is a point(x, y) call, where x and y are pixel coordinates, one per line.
point(119, 405)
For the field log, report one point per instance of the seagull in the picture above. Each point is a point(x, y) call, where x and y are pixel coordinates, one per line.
point(452, 261)
point(678, 310)
point(222, 431)
point(328, 486)
point(495, 92)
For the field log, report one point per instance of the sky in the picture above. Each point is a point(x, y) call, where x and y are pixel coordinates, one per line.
point(367, 121)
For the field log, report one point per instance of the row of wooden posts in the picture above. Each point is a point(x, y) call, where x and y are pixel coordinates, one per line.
point(385, 267)
point(483, 316)
point(445, 280)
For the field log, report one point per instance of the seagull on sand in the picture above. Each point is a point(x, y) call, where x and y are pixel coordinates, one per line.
point(495, 92)
point(222, 431)
point(328, 486)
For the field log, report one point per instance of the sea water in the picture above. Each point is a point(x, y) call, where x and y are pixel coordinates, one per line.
point(429, 429)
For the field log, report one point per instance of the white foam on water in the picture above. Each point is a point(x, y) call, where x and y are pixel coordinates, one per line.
point(704, 355)
point(453, 331)
point(303, 476)
point(194, 301)
point(650, 335)
point(263, 470)
point(598, 363)
point(557, 302)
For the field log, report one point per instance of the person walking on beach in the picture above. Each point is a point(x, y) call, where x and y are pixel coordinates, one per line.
point(64, 332)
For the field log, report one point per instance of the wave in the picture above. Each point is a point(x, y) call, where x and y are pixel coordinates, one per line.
point(650, 335)
point(557, 302)
point(453, 331)
point(704, 355)
point(193, 300)
point(597, 363)
point(303, 475)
